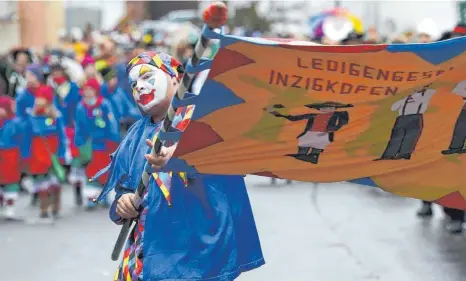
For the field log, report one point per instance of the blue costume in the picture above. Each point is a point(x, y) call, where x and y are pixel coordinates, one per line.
point(11, 133)
point(208, 233)
point(123, 81)
point(124, 106)
point(67, 103)
point(24, 100)
point(43, 137)
point(10, 165)
point(11, 136)
point(95, 123)
point(47, 143)
point(189, 228)
point(45, 146)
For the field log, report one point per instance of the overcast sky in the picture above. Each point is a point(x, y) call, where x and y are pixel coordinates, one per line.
point(408, 13)
point(404, 13)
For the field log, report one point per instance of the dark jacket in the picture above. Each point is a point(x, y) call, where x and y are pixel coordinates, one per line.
point(338, 120)
point(9, 80)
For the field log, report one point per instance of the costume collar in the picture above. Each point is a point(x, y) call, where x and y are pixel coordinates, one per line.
point(90, 108)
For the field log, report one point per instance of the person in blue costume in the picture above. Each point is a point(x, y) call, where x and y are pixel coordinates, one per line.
point(24, 102)
point(67, 95)
point(10, 142)
point(120, 68)
point(196, 228)
point(46, 142)
point(25, 98)
point(123, 83)
point(95, 123)
point(67, 98)
point(124, 108)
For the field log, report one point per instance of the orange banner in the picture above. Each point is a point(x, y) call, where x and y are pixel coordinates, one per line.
point(393, 113)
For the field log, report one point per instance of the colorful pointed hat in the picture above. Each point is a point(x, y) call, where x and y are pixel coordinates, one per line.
point(160, 60)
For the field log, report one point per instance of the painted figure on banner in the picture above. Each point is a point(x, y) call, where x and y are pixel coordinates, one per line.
point(320, 128)
point(459, 132)
point(408, 125)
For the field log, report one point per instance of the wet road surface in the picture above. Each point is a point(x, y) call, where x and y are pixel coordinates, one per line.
point(325, 232)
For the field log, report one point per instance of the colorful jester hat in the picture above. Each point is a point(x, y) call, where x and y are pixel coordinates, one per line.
point(160, 60)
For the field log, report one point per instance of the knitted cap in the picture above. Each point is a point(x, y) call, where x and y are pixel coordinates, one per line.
point(45, 92)
point(92, 84)
point(36, 69)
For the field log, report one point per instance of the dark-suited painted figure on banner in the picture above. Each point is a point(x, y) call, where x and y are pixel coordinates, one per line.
point(459, 132)
point(408, 125)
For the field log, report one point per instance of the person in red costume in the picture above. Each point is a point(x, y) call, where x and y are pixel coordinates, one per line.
point(10, 142)
point(24, 102)
point(97, 131)
point(67, 98)
point(46, 140)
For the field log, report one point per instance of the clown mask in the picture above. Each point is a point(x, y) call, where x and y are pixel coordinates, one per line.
point(150, 86)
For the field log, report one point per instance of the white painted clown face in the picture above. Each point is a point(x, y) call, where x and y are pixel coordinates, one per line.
point(149, 84)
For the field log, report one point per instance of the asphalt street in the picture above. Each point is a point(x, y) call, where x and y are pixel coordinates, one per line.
point(324, 232)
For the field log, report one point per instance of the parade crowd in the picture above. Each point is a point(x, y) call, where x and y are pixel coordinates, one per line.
point(65, 109)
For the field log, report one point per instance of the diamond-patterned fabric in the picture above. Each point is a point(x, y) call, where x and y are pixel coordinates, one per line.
point(160, 60)
point(130, 268)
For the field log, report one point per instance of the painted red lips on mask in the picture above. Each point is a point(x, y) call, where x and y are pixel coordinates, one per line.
point(146, 98)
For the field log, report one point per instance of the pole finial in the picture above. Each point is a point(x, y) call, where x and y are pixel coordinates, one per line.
point(215, 15)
